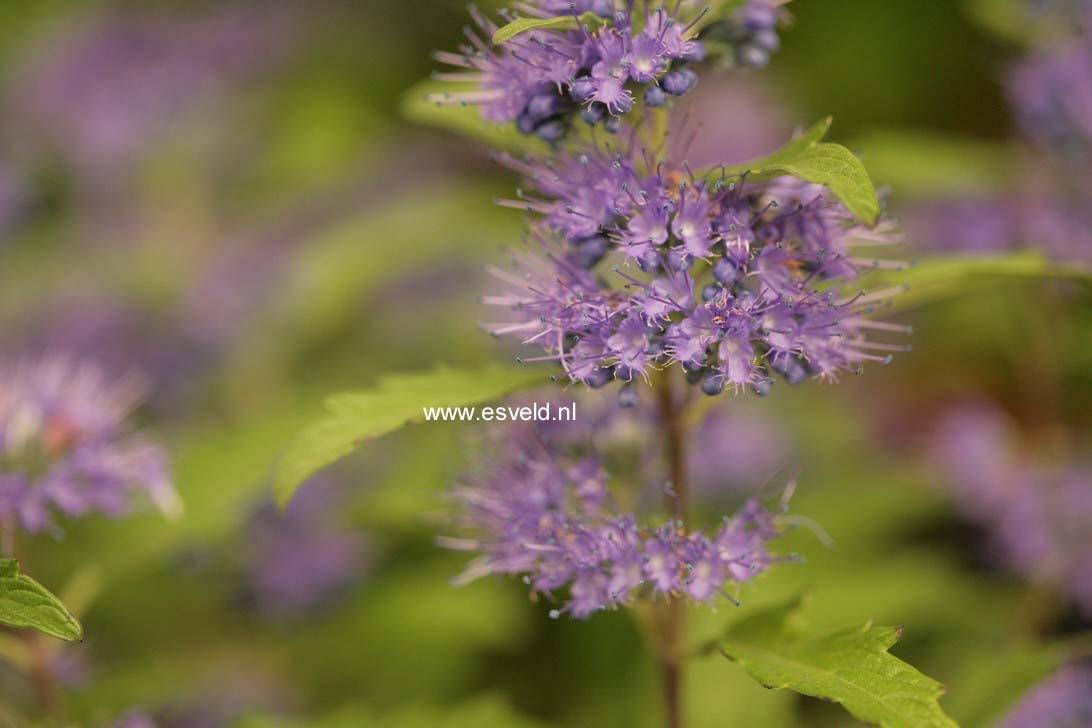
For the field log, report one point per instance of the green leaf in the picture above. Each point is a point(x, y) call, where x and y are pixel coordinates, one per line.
point(827, 164)
point(848, 666)
point(564, 22)
point(26, 603)
point(435, 103)
point(354, 418)
point(944, 276)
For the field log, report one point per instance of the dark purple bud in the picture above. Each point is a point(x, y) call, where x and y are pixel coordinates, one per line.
point(679, 259)
point(791, 369)
point(593, 114)
point(612, 125)
point(649, 264)
point(590, 251)
point(725, 272)
point(582, 89)
point(712, 386)
point(796, 373)
point(761, 387)
point(599, 378)
point(543, 106)
point(551, 131)
point(526, 124)
point(692, 368)
point(628, 396)
point(693, 377)
point(602, 8)
point(678, 83)
point(709, 292)
point(767, 40)
point(696, 53)
point(655, 97)
point(754, 57)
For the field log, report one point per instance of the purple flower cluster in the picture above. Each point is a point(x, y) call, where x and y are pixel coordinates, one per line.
point(541, 79)
point(1051, 93)
point(546, 512)
point(110, 87)
point(298, 559)
point(1063, 700)
point(750, 34)
point(63, 446)
point(1038, 515)
point(730, 279)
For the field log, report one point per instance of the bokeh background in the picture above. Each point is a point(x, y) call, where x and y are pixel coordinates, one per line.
point(228, 197)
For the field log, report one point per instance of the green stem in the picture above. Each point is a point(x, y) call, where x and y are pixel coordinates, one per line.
point(672, 621)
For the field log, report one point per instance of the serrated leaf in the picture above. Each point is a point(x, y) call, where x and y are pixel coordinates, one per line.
point(25, 603)
point(562, 22)
point(422, 105)
point(353, 418)
point(849, 666)
point(832, 165)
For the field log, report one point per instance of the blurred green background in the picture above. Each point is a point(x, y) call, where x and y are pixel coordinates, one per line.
point(226, 195)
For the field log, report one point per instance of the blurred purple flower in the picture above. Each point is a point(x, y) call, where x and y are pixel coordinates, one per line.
point(1051, 94)
point(713, 128)
point(751, 32)
point(1038, 515)
point(1063, 700)
point(110, 87)
point(135, 719)
point(732, 454)
point(64, 447)
point(987, 225)
point(298, 559)
point(118, 337)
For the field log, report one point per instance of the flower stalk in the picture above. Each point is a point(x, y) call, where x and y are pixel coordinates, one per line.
point(676, 501)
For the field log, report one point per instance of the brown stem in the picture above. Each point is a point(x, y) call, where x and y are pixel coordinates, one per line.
point(676, 502)
point(41, 675)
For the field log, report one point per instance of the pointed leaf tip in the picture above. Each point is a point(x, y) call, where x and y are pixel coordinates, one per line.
point(850, 666)
point(24, 603)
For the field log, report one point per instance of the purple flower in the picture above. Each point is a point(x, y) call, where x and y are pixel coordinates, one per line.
point(1051, 93)
point(1063, 700)
point(112, 86)
point(730, 453)
point(1038, 515)
point(751, 32)
point(988, 225)
point(767, 258)
point(527, 510)
point(296, 560)
point(541, 79)
point(135, 719)
point(64, 447)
